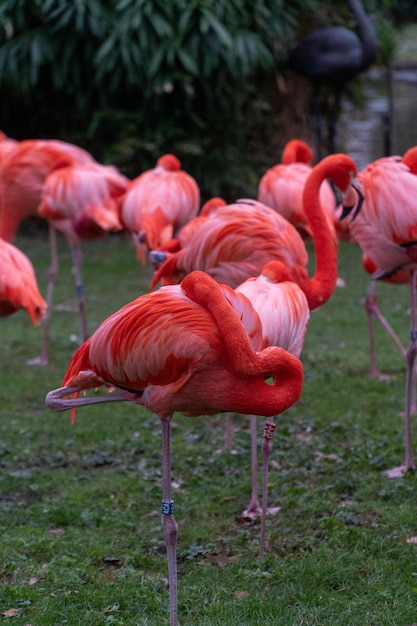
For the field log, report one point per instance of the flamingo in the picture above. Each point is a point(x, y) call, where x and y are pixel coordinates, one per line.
point(284, 307)
point(195, 348)
point(184, 235)
point(18, 285)
point(158, 203)
point(281, 188)
point(30, 171)
point(386, 231)
point(371, 304)
point(237, 241)
point(284, 312)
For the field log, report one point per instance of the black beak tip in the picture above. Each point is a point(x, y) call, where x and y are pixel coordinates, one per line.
point(345, 212)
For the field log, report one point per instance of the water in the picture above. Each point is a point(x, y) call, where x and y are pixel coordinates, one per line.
point(363, 133)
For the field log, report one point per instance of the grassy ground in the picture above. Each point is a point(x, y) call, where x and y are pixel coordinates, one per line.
point(79, 504)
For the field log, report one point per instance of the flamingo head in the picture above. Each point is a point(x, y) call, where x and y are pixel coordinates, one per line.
point(169, 162)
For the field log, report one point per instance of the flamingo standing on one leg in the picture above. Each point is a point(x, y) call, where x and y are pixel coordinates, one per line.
point(18, 285)
point(158, 203)
point(283, 305)
point(386, 230)
point(194, 348)
point(24, 172)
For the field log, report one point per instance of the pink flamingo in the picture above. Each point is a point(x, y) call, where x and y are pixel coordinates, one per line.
point(284, 312)
point(281, 188)
point(18, 285)
point(238, 239)
point(195, 348)
point(284, 306)
point(158, 203)
point(386, 231)
point(25, 186)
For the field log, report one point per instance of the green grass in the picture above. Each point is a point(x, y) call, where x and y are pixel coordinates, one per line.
point(79, 504)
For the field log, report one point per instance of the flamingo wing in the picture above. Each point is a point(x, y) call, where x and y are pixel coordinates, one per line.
point(18, 285)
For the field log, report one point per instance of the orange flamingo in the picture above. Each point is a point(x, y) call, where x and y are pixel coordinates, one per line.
point(195, 348)
point(30, 172)
point(386, 231)
point(158, 203)
point(281, 188)
point(18, 285)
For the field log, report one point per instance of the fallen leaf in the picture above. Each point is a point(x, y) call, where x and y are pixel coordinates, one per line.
point(55, 531)
point(33, 581)
point(302, 437)
point(11, 613)
point(153, 513)
point(330, 457)
point(275, 465)
point(412, 540)
point(241, 594)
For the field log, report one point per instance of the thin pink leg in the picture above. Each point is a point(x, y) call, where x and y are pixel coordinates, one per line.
point(410, 379)
point(52, 274)
point(169, 525)
point(373, 310)
point(254, 508)
point(77, 260)
point(268, 433)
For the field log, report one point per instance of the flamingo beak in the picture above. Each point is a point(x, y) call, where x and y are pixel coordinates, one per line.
point(356, 205)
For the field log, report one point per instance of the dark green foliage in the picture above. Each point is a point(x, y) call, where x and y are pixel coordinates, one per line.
point(403, 11)
point(134, 78)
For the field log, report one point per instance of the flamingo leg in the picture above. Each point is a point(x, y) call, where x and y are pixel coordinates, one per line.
point(169, 525)
point(411, 359)
point(373, 310)
point(76, 261)
point(52, 274)
point(254, 508)
point(266, 452)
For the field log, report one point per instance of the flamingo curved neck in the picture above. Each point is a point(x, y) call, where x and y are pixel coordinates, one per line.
point(320, 286)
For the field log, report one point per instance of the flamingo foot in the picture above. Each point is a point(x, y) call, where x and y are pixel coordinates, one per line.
point(399, 472)
point(39, 360)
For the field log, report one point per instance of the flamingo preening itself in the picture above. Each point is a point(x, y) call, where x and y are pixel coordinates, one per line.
point(158, 203)
point(195, 348)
